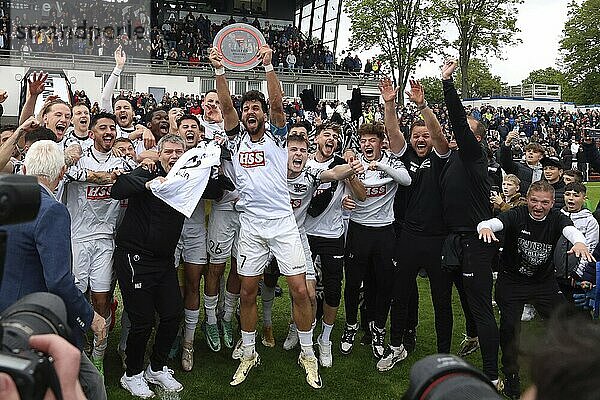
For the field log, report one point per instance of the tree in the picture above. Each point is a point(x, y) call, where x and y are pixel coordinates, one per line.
point(580, 50)
point(481, 82)
point(432, 86)
point(484, 27)
point(405, 30)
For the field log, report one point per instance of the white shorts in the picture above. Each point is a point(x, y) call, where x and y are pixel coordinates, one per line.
point(192, 244)
point(310, 266)
point(259, 237)
point(92, 264)
point(223, 235)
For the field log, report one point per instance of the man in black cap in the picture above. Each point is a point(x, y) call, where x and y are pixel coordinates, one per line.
point(553, 171)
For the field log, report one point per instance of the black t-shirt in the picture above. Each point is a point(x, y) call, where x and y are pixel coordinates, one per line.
point(422, 199)
point(529, 244)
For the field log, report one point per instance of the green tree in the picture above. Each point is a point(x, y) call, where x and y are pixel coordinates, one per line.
point(405, 30)
point(484, 27)
point(481, 83)
point(580, 50)
point(432, 86)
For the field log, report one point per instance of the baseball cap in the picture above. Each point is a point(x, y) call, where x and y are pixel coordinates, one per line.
point(552, 161)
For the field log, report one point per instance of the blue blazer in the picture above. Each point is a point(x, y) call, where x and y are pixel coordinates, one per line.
point(38, 259)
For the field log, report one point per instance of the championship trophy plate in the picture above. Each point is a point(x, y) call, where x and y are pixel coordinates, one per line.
point(239, 43)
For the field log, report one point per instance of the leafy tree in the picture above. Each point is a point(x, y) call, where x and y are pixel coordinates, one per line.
point(580, 50)
point(432, 86)
point(405, 30)
point(484, 28)
point(481, 82)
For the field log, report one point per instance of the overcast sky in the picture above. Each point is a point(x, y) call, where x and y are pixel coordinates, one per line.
point(541, 23)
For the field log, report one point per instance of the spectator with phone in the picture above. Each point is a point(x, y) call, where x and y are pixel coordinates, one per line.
point(509, 197)
point(528, 172)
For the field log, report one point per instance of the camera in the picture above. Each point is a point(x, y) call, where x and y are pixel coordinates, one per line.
point(35, 314)
point(448, 377)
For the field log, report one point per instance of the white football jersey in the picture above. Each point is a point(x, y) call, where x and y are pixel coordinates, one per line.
point(93, 212)
point(261, 174)
point(71, 138)
point(329, 223)
point(301, 190)
point(212, 129)
point(378, 207)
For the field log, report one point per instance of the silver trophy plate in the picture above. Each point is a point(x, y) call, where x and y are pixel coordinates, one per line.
point(239, 44)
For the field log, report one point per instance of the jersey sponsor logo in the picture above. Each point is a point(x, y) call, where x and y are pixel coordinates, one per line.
point(251, 159)
point(98, 192)
point(376, 191)
point(300, 188)
point(296, 203)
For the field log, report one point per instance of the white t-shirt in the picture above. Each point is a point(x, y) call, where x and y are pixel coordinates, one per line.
point(261, 174)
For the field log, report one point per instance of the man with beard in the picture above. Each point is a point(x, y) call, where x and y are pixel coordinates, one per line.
point(419, 242)
point(267, 223)
point(531, 233)
point(325, 231)
point(93, 220)
point(143, 260)
point(78, 132)
point(192, 249)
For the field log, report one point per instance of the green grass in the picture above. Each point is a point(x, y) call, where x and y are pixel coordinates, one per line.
point(279, 376)
point(593, 194)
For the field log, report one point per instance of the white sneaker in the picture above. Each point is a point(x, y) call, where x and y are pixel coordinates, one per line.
point(391, 356)
point(137, 386)
point(291, 339)
point(163, 379)
point(238, 352)
point(187, 356)
point(325, 357)
point(246, 364)
point(311, 368)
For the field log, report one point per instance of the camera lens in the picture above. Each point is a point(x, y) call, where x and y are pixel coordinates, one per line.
point(447, 377)
point(34, 314)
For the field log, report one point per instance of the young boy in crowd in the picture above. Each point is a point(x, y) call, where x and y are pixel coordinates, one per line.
point(572, 175)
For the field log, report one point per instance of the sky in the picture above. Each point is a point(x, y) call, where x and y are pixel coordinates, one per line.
point(541, 23)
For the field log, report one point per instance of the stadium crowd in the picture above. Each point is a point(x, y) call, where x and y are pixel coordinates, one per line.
point(98, 28)
point(373, 203)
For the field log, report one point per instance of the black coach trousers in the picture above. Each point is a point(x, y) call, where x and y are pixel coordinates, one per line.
point(511, 295)
point(413, 253)
point(149, 286)
point(369, 259)
point(477, 282)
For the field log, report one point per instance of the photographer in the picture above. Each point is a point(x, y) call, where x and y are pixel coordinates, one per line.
point(66, 364)
point(38, 258)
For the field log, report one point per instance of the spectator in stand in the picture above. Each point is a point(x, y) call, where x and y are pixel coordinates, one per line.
point(368, 68)
point(291, 61)
point(528, 172)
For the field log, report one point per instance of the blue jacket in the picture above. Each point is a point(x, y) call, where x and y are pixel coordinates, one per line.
point(38, 259)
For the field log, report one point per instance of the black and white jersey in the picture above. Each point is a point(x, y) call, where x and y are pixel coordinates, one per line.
point(329, 223)
point(71, 138)
point(301, 190)
point(377, 209)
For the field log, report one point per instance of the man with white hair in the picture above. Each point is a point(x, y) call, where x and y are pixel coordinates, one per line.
point(38, 258)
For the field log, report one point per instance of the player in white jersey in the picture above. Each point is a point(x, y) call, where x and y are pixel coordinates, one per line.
point(370, 245)
point(302, 183)
point(267, 223)
point(78, 132)
point(192, 249)
point(93, 219)
point(56, 116)
point(223, 231)
point(325, 232)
